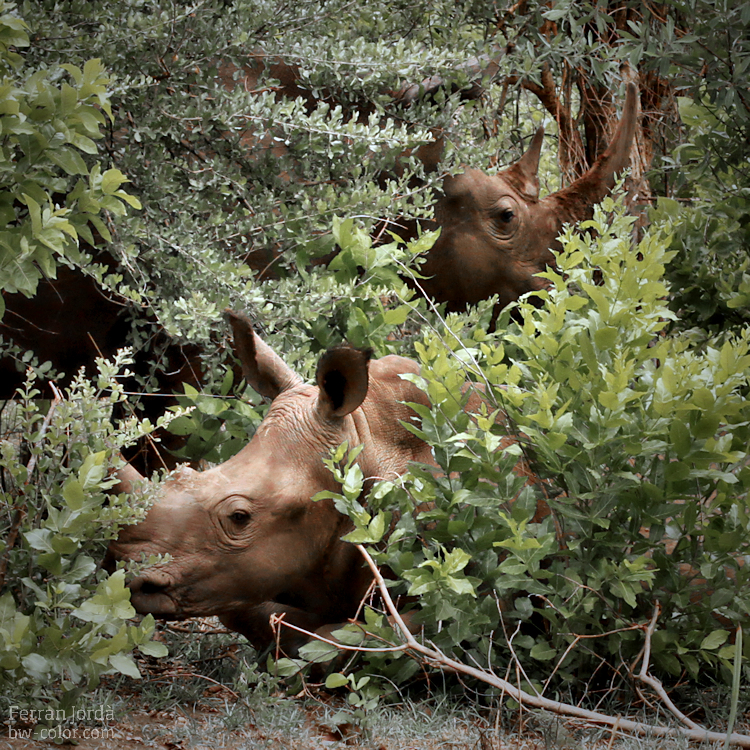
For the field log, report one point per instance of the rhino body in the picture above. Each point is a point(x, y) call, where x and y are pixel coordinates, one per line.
point(245, 538)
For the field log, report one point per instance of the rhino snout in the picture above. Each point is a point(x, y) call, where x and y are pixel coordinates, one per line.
point(150, 594)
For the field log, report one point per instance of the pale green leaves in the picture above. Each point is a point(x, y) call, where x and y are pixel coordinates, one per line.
point(435, 575)
point(65, 622)
point(368, 529)
point(111, 599)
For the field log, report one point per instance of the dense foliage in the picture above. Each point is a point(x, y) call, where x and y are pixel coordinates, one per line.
point(256, 139)
point(639, 494)
point(64, 621)
point(50, 197)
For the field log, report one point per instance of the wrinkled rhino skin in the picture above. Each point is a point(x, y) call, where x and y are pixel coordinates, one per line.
point(246, 540)
point(496, 233)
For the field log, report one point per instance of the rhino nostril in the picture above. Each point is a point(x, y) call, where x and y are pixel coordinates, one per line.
point(146, 586)
point(150, 587)
point(153, 595)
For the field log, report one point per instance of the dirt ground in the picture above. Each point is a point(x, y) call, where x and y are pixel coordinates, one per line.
point(219, 720)
point(298, 726)
point(205, 728)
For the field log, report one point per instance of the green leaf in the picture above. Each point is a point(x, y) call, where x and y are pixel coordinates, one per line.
point(75, 72)
point(84, 143)
point(707, 426)
point(543, 652)
point(82, 567)
point(35, 214)
point(73, 494)
point(124, 664)
point(154, 648)
point(460, 585)
point(39, 539)
point(38, 666)
point(396, 316)
point(676, 471)
point(680, 437)
point(68, 99)
point(336, 680)
point(129, 199)
point(318, 652)
point(111, 181)
point(714, 640)
point(606, 338)
point(68, 159)
point(285, 667)
point(377, 527)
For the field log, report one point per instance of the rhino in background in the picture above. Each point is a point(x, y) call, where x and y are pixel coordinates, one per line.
point(496, 233)
point(245, 537)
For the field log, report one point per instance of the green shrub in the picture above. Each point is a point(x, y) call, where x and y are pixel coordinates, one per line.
point(50, 196)
point(710, 224)
point(63, 620)
point(638, 442)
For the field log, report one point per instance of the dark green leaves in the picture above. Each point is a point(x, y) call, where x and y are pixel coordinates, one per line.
point(50, 194)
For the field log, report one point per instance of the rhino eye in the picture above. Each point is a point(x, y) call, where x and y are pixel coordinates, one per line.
point(239, 517)
point(504, 218)
point(504, 215)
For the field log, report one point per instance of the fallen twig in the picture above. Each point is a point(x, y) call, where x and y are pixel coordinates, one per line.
point(438, 658)
point(652, 682)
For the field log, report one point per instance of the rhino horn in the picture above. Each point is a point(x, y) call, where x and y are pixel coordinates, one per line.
point(342, 377)
point(262, 368)
point(576, 202)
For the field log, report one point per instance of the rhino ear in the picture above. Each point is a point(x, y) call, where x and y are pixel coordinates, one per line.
point(576, 202)
point(262, 368)
point(523, 175)
point(342, 378)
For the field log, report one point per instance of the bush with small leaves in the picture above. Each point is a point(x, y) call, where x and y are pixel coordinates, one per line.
point(710, 225)
point(64, 622)
point(52, 193)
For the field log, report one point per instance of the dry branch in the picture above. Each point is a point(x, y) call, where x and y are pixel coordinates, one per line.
point(276, 621)
point(436, 657)
point(652, 682)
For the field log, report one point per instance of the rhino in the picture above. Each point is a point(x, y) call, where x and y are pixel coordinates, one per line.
point(496, 234)
point(245, 538)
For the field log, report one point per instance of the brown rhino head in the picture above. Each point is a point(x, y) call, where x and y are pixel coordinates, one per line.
point(496, 233)
point(245, 538)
